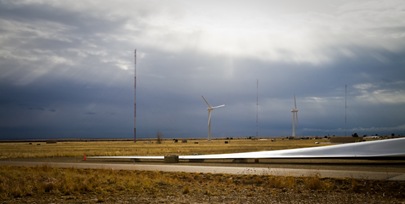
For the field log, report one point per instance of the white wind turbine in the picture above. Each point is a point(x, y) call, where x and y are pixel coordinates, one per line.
point(210, 108)
point(294, 112)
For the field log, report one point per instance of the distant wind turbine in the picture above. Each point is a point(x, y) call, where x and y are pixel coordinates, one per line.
point(294, 112)
point(210, 108)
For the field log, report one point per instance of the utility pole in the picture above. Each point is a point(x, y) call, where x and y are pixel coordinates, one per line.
point(257, 108)
point(135, 95)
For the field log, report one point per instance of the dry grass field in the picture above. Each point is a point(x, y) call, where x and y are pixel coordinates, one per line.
point(67, 185)
point(54, 185)
point(121, 148)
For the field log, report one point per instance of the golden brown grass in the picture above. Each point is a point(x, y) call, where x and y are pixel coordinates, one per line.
point(45, 184)
point(57, 185)
point(120, 148)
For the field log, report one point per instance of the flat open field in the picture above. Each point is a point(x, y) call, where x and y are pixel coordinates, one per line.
point(46, 184)
point(150, 148)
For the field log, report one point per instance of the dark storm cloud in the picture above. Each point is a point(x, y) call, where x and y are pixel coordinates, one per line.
point(50, 79)
point(277, 86)
point(67, 68)
point(80, 22)
point(62, 104)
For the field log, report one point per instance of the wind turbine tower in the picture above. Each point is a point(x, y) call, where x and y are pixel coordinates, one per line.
point(210, 108)
point(294, 112)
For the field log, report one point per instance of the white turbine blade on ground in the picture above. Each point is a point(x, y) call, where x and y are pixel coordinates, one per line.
point(220, 106)
point(209, 106)
point(372, 149)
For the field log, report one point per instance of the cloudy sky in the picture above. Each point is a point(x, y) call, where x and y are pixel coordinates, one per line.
point(67, 67)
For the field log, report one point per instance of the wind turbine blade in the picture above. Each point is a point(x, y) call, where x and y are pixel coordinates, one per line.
point(220, 106)
point(295, 103)
point(206, 102)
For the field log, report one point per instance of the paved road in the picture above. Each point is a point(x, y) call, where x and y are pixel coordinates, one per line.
point(323, 173)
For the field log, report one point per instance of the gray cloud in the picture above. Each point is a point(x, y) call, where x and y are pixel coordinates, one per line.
point(67, 68)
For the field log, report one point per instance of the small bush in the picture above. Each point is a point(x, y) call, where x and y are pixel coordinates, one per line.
point(313, 183)
point(186, 190)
